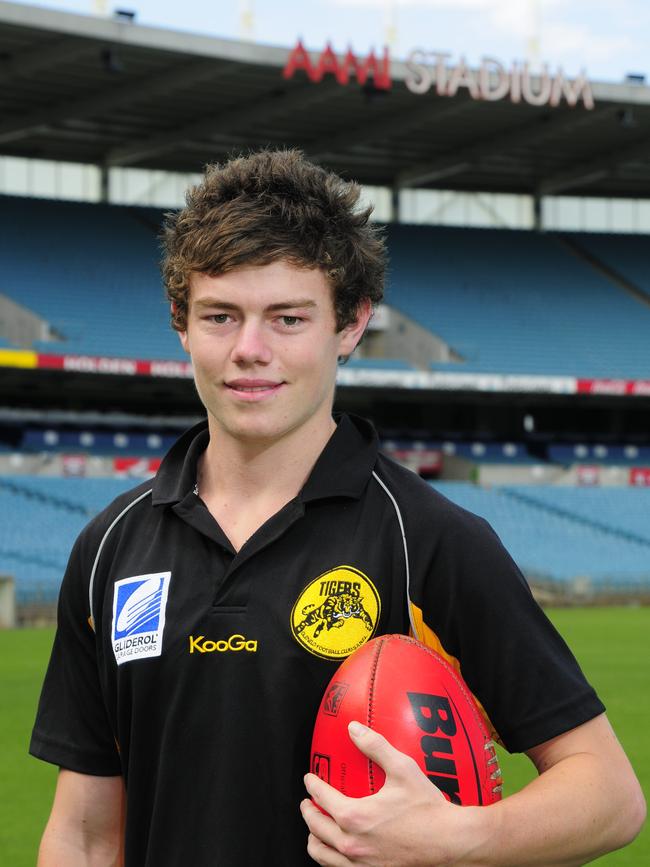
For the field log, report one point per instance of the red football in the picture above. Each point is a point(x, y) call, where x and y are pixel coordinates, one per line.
point(412, 696)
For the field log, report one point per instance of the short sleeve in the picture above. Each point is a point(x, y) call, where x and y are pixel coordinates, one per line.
point(72, 728)
point(477, 602)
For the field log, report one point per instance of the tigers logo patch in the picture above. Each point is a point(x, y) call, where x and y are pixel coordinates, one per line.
point(336, 613)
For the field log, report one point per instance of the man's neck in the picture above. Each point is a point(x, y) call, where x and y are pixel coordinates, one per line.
point(239, 469)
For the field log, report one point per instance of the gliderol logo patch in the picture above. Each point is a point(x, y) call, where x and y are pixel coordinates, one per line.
point(336, 613)
point(139, 605)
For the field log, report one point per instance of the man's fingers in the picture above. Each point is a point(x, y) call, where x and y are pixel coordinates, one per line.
point(326, 796)
point(322, 854)
point(323, 828)
point(376, 747)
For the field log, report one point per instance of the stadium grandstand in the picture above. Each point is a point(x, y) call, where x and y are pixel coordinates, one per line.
point(509, 364)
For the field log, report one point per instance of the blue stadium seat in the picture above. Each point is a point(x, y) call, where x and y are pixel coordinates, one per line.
point(517, 302)
point(553, 533)
point(41, 519)
point(626, 254)
point(583, 453)
point(91, 271)
point(558, 533)
point(379, 363)
point(506, 301)
point(96, 441)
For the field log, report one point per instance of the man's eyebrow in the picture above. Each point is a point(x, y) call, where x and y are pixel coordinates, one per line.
point(289, 304)
point(292, 304)
point(204, 303)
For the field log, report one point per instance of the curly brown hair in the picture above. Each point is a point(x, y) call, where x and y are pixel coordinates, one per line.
point(274, 205)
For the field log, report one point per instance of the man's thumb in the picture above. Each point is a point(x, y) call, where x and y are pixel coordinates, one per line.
point(373, 745)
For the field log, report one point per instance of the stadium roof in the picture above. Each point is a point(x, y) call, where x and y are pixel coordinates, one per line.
point(113, 93)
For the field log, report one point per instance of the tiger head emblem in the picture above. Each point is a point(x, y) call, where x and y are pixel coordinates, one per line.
point(334, 612)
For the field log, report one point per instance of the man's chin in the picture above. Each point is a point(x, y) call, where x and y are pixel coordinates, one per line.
point(249, 430)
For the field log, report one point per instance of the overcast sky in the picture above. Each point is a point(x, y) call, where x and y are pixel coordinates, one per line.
point(608, 38)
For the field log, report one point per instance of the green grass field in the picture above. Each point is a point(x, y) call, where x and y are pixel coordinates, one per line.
point(613, 648)
point(611, 644)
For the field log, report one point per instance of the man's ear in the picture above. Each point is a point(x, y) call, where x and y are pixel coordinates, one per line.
point(352, 333)
point(182, 335)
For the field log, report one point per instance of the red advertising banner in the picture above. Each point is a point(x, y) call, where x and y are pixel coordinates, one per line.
point(428, 461)
point(640, 477)
point(114, 366)
point(140, 467)
point(588, 475)
point(623, 387)
point(358, 377)
point(74, 465)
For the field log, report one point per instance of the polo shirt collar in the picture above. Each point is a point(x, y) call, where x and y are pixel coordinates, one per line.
point(342, 469)
point(346, 463)
point(176, 476)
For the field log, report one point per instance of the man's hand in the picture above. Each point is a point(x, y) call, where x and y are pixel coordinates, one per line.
point(585, 803)
point(408, 822)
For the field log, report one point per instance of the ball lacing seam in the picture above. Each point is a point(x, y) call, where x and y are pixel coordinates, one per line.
point(493, 760)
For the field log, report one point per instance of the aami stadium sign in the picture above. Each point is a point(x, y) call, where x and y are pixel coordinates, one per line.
point(342, 68)
point(492, 81)
point(427, 70)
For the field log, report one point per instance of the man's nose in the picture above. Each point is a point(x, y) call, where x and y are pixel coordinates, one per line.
point(251, 344)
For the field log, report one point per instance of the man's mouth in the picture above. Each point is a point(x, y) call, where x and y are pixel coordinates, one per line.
point(253, 387)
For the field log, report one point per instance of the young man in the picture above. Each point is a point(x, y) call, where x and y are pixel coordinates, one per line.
point(203, 613)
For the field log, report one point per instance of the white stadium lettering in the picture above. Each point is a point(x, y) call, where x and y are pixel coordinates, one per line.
point(492, 81)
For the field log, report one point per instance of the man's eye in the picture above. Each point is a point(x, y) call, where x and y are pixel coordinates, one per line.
point(219, 318)
point(290, 321)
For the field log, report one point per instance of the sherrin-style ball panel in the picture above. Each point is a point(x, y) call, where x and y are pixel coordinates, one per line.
point(412, 696)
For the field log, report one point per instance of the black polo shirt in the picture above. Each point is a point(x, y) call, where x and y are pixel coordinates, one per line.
point(200, 680)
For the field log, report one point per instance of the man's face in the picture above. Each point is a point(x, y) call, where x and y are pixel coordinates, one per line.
point(264, 348)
